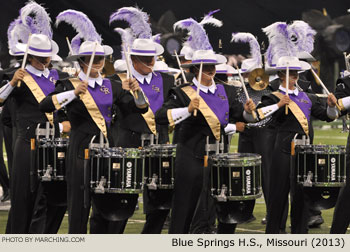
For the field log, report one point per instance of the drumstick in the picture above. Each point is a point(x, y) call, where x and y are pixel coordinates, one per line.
point(24, 58)
point(91, 61)
point(182, 71)
point(71, 53)
point(128, 67)
point(245, 90)
point(199, 83)
point(323, 86)
point(287, 87)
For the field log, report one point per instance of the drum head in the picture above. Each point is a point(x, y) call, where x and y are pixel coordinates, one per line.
point(235, 212)
point(322, 198)
point(115, 206)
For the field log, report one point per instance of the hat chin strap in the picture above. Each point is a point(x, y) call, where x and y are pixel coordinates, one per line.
point(99, 70)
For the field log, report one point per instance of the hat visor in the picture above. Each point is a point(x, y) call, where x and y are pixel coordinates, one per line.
point(158, 51)
point(220, 59)
point(39, 52)
point(107, 51)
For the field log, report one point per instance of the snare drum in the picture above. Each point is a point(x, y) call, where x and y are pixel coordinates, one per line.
point(159, 166)
point(51, 158)
point(116, 170)
point(320, 165)
point(235, 176)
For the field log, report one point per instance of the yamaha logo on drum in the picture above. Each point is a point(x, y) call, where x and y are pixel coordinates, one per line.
point(248, 181)
point(128, 174)
point(333, 168)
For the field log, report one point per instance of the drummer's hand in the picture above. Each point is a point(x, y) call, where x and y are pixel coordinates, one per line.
point(134, 85)
point(81, 88)
point(285, 100)
point(249, 106)
point(331, 100)
point(18, 76)
point(240, 126)
point(66, 126)
point(194, 104)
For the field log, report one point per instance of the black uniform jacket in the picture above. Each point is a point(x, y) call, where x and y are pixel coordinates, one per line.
point(193, 130)
point(135, 121)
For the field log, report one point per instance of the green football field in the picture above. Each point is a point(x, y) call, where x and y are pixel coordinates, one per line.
point(332, 136)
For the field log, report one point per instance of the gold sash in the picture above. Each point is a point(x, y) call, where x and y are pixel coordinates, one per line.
point(297, 112)
point(149, 117)
point(37, 92)
point(208, 114)
point(91, 107)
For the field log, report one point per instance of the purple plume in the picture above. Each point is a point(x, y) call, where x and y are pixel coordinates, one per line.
point(253, 43)
point(17, 32)
point(75, 44)
point(82, 25)
point(209, 19)
point(304, 35)
point(137, 19)
point(127, 38)
point(280, 43)
point(40, 22)
point(198, 39)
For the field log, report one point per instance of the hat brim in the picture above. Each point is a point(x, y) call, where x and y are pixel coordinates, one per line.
point(159, 50)
point(220, 59)
point(306, 56)
point(107, 51)
point(54, 50)
point(56, 58)
point(304, 66)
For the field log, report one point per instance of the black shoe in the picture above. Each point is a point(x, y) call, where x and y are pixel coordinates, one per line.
point(315, 221)
point(251, 219)
point(264, 221)
point(5, 196)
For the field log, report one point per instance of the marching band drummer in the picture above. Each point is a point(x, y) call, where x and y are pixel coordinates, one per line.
point(341, 217)
point(132, 127)
point(36, 82)
point(300, 107)
point(88, 105)
point(216, 107)
point(88, 101)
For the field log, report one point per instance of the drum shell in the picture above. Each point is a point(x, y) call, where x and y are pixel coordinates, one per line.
point(239, 172)
point(121, 169)
point(160, 163)
point(325, 163)
point(52, 152)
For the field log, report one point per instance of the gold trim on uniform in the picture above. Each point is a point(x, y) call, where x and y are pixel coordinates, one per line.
point(208, 114)
point(340, 102)
point(148, 116)
point(260, 113)
point(297, 112)
point(56, 103)
point(91, 107)
point(170, 118)
point(37, 92)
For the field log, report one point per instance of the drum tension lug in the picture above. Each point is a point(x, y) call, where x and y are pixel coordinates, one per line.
point(153, 184)
point(308, 181)
point(101, 186)
point(47, 176)
point(222, 197)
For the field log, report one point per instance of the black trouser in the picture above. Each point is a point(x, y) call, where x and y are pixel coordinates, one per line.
point(22, 199)
point(341, 217)
point(156, 204)
point(50, 208)
point(187, 189)
point(4, 179)
point(78, 214)
point(283, 181)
